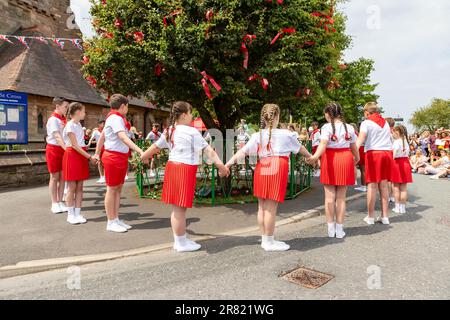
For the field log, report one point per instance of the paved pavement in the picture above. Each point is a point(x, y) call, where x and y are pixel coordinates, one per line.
point(408, 259)
point(30, 232)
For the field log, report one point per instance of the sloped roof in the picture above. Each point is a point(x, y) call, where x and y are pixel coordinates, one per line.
point(43, 70)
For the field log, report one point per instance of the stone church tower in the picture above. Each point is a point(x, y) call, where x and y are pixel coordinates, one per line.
point(51, 18)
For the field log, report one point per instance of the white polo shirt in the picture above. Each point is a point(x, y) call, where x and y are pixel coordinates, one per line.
point(315, 138)
point(152, 136)
point(377, 138)
point(187, 145)
point(399, 151)
point(54, 125)
point(283, 142)
point(341, 143)
point(96, 135)
point(113, 125)
point(77, 129)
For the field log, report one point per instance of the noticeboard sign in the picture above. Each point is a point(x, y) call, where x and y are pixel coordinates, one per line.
point(13, 117)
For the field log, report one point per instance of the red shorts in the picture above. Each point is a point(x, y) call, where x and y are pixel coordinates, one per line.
point(270, 179)
point(362, 156)
point(115, 165)
point(337, 167)
point(54, 157)
point(75, 166)
point(179, 184)
point(401, 171)
point(378, 166)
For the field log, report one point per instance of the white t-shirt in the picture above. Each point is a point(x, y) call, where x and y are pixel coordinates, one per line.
point(315, 138)
point(77, 129)
point(54, 125)
point(187, 145)
point(113, 125)
point(283, 142)
point(377, 138)
point(399, 151)
point(96, 135)
point(152, 136)
point(340, 143)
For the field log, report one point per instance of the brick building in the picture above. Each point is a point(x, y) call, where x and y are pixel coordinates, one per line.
point(44, 70)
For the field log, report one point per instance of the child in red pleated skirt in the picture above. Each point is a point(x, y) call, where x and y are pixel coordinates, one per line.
point(401, 169)
point(75, 162)
point(185, 144)
point(338, 154)
point(274, 147)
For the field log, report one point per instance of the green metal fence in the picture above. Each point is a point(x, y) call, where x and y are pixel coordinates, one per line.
point(213, 190)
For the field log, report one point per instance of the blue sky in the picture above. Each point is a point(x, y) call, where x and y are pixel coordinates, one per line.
point(409, 40)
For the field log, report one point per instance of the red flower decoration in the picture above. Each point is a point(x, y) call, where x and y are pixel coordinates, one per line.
point(209, 15)
point(138, 36)
point(109, 35)
point(92, 80)
point(118, 23)
point(86, 59)
point(104, 3)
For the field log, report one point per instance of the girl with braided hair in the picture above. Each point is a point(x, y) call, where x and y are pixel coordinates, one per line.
point(401, 168)
point(339, 154)
point(273, 147)
point(185, 144)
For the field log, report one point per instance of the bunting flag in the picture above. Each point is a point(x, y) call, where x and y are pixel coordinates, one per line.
point(22, 41)
point(60, 42)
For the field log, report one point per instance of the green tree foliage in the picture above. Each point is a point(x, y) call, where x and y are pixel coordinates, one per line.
point(159, 49)
point(432, 117)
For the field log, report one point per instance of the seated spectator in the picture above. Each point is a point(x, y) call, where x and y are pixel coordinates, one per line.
point(418, 162)
point(438, 165)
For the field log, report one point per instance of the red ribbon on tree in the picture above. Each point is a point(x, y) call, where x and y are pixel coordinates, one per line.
point(248, 39)
point(172, 15)
point(278, 1)
point(280, 34)
point(264, 81)
point(209, 15)
point(158, 69)
point(328, 20)
point(205, 85)
point(138, 36)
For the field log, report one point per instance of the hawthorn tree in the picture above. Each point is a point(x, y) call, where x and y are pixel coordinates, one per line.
point(227, 58)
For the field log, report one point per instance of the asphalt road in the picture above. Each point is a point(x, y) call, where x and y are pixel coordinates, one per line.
point(408, 259)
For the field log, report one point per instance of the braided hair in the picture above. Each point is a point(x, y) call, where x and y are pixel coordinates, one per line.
point(269, 113)
point(178, 108)
point(334, 110)
point(403, 132)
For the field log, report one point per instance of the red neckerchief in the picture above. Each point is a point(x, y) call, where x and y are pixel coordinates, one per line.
point(156, 133)
point(313, 133)
point(117, 113)
point(60, 117)
point(378, 119)
point(100, 130)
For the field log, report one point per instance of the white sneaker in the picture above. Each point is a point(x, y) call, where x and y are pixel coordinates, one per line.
point(276, 246)
point(152, 174)
point(126, 177)
point(435, 177)
point(340, 234)
point(123, 224)
point(101, 180)
point(403, 209)
point(56, 208)
point(383, 220)
point(392, 199)
point(81, 219)
point(187, 246)
point(369, 220)
point(317, 173)
point(361, 188)
point(63, 207)
point(72, 219)
point(331, 231)
point(115, 227)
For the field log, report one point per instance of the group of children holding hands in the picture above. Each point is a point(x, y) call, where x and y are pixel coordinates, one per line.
point(338, 151)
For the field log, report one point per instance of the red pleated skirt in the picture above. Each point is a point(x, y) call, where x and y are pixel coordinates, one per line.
point(116, 167)
point(362, 156)
point(378, 165)
point(75, 166)
point(270, 178)
point(337, 167)
point(179, 184)
point(401, 171)
point(54, 156)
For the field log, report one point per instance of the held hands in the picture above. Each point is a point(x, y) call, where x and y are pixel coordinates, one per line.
point(311, 160)
point(224, 171)
point(95, 159)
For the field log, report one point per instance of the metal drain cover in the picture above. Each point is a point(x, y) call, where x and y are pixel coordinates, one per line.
point(307, 278)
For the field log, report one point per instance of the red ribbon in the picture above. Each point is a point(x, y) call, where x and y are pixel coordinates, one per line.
point(60, 117)
point(205, 85)
point(117, 113)
point(280, 34)
point(158, 69)
point(278, 1)
point(328, 20)
point(264, 81)
point(209, 15)
point(172, 15)
point(248, 39)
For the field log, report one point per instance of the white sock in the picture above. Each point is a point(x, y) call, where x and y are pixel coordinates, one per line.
point(339, 227)
point(331, 225)
point(78, 211)
point(110, 222)
point(179, 239)
point(71, 211)
point(403, 207)
point(269, 239)
point(397, 206)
